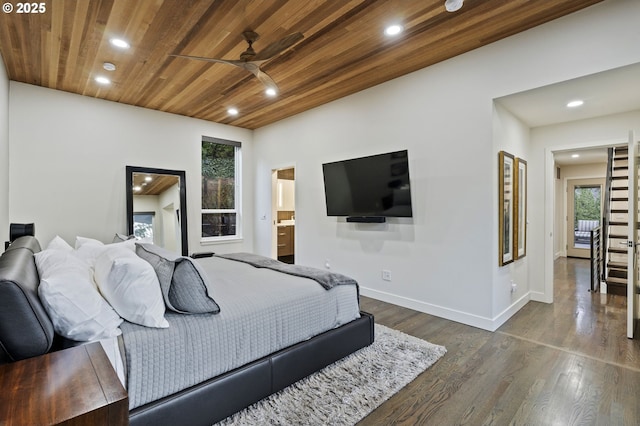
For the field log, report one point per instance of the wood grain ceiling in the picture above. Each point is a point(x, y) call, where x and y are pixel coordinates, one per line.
point(343, 51)
point(153, 184)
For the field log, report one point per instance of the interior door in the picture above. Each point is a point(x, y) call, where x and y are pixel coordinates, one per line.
point(584, 206)
point(632, 257)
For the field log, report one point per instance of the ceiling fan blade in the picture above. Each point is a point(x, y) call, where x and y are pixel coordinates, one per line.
point(275, 48)
point(265, 79)
point(220, 61)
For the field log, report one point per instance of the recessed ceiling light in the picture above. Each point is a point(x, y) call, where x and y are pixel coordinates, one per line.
point(575, 155)
point(148, 178)
point(103, 80)
point(109, 66)
point(118, 42)
point(393, 30)
point(137, 188)
point(271, 91)
point(575, 103)
point(232, 111)
point(453, 5)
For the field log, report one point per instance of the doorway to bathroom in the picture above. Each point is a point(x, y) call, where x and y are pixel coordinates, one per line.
point(283, 214)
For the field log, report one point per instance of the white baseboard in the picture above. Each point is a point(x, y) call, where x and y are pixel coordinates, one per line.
point(537, 296)
point(485, 323)
point(502, 317)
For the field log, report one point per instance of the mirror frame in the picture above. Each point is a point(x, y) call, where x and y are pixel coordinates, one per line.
point(130, 170)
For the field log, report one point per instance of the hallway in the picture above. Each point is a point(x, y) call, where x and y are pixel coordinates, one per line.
point(566, 363)
point(579, 322)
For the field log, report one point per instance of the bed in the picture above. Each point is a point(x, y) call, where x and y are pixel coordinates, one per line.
point(184, 373)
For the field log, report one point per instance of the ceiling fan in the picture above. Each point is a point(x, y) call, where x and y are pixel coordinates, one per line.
point(251, 61)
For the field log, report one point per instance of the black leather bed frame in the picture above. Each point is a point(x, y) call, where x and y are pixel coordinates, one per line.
point(22, 315)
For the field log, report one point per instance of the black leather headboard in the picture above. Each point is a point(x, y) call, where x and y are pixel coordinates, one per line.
point(25, 328)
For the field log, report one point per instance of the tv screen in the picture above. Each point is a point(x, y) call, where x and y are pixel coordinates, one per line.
point(377, 185)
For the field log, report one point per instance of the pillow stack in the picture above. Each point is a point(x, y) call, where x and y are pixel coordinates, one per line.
point(70, 296)
point(87, 291)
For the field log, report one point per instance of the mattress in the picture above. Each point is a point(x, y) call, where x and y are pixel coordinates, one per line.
point(261, 311)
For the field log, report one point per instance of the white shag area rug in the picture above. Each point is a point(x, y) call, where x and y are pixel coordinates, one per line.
point(345, 392)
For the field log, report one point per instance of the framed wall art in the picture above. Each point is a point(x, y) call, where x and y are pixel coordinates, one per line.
point(520, 203)
point(506, 207)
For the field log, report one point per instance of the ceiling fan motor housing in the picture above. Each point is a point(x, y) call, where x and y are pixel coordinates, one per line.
point(250, 37)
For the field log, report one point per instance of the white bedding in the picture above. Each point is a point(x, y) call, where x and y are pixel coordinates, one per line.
point(111, 348)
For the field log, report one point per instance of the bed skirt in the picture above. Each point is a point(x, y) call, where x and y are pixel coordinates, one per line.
point(222, 396)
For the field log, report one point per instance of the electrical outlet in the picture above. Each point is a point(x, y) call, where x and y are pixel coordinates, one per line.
point(514, 287)
point(327, 264)
point(386, 275)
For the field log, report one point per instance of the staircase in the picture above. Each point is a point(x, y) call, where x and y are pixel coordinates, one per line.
point(617, 221)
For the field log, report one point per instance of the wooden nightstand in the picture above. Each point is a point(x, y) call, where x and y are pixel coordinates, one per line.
point(75, 386)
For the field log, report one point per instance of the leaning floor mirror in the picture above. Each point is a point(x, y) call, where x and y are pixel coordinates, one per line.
point(157, 207)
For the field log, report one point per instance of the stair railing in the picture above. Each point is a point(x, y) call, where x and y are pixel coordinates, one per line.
point(597, 261)
point(604, 234)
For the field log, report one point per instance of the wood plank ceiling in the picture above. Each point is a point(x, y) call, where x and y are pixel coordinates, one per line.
point(343, 51)
point(153, 184)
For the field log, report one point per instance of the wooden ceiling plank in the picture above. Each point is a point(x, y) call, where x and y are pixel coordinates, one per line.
point(158, 45)
point(156, 186)
point(86, 42)
point(130, 21)
point(65, 65)
point(385, 62)
point(343, 50)
point(54, 36)
point(16, 53)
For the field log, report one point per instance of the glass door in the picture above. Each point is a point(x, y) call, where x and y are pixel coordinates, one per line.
point(584, 212)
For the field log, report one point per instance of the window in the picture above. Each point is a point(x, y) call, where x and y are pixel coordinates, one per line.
point(143, 225)
point(586, 213)
point(220, 189)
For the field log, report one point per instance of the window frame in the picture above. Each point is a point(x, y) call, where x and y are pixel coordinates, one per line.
point(237, 210)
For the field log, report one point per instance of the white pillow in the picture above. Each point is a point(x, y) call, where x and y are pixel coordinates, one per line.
point(80, 241)
point(57, 243)
point(131, 286)
point(89, 249)
point(71, 299)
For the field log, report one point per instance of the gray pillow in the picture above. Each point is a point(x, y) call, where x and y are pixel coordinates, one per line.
point(118, 238)
point(184, 285)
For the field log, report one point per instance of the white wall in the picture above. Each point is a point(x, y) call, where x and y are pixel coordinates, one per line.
point(4, 154)
point(444, 261)
point(68, 155)
point(510, 134)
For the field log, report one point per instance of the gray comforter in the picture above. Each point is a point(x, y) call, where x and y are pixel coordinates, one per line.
point(261, 311)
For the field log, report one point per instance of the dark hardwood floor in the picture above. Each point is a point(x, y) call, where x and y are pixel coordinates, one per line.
point(566, 363)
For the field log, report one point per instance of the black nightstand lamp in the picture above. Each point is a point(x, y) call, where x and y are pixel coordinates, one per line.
point(17, 230)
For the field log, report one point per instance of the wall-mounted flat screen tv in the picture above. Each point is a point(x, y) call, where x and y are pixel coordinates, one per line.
point(374, 186)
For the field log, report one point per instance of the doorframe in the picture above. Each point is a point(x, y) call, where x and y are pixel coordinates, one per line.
point(550, 208)
point(632, 255)
point(586, 181)
point(274, 208)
